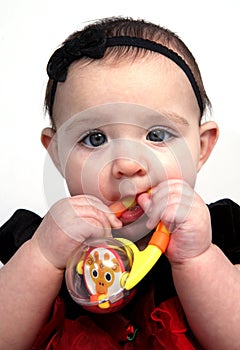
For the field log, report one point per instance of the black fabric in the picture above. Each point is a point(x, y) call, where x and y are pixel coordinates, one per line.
point(17, 230)
point(225, 217)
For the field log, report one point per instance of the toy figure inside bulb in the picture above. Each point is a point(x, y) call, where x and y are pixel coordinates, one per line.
point(96, 274)
point(103, 273)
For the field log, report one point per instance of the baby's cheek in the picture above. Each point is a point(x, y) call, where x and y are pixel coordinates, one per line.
point(73, 180)
point(178, 160)
point(187, 162)
point(80, 178)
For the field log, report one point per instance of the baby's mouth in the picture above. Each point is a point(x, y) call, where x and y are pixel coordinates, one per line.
point(127, 209)
point(131, 214)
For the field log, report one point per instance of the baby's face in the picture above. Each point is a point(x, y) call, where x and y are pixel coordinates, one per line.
point(122, 129)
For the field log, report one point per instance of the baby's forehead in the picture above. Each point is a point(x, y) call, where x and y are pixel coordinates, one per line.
point(155, 82)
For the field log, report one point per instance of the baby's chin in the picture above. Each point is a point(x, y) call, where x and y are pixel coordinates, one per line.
point(134, 231)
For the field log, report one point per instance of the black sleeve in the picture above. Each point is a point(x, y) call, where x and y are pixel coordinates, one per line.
point(225, 217)
point(17, 230)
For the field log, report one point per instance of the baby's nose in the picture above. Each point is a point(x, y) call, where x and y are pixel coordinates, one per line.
point(126, 167)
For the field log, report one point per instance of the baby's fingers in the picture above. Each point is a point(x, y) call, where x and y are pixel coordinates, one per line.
point(145, 202)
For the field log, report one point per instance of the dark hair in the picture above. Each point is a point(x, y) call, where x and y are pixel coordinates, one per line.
point(118, 26)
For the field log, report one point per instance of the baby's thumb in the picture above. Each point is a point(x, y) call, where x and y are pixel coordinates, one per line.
point(144, 201)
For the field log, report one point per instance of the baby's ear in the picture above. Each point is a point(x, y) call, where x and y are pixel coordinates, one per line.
point(49, 141)
point(208, 137)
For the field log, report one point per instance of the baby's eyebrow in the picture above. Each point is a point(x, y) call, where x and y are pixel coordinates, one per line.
point(79, 121)
point(175, 118)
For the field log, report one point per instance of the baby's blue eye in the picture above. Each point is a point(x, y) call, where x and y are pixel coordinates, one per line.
point(159, 135)
point(94, 139)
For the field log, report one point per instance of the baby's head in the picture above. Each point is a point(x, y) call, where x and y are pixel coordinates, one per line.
point(126, 100)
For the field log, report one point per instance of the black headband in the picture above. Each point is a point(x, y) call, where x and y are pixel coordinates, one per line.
point(93, 43)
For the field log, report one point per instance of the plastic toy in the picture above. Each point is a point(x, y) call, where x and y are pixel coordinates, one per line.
point(102, 273)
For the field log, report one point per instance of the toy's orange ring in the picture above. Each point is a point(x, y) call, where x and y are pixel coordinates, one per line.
point(160, 237)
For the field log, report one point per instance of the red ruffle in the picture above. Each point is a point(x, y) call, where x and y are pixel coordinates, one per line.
point(172, 328)
point(163, 328)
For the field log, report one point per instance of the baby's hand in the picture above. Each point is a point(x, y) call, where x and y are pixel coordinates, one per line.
point(68, 223)
point(184, 214)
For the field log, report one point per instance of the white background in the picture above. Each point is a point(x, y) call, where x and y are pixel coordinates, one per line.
point(31, 30)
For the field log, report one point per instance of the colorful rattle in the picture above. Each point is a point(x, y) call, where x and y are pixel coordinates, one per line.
point(102, 274)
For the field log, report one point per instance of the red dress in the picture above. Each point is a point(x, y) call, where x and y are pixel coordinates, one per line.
point(164, 327)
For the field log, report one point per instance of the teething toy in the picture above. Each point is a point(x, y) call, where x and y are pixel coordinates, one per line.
point(102, 273)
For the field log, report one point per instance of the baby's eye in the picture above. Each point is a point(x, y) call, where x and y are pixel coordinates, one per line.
point(94, 139)
point(159, 135)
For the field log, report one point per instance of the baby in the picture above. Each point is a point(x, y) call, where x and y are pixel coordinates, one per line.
point(126, 102)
